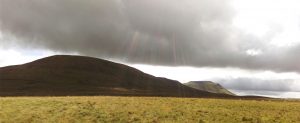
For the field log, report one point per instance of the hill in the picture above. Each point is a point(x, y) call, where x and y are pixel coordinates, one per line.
point(209, 87)
point(64, 75)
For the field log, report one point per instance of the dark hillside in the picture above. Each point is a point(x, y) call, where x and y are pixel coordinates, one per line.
point(64, 75)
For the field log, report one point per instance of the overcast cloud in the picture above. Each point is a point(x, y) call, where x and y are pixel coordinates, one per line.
point(198, 33)
point(255, 84)
point(192, 33)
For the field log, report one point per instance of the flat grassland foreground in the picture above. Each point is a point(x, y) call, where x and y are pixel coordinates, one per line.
point(144, 109)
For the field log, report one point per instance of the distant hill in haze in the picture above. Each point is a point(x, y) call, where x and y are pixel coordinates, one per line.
point(64, 75)
point(209, 87)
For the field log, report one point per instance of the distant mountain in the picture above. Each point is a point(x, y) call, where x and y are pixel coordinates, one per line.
point(209, 87)
point(64, 75)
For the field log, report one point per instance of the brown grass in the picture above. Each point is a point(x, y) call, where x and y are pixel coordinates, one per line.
point(144, 109)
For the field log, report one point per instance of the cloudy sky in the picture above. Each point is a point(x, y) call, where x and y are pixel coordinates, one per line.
point(249, 46)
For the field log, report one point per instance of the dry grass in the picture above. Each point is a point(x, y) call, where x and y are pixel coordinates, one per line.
point(144, 109)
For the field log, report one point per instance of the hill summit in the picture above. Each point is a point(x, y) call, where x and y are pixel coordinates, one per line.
point(209, 87)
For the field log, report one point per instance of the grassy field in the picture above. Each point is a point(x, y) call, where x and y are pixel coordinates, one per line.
point(144, 109)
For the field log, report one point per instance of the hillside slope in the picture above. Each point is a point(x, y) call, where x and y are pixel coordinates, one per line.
point(209, 87)
point(64, 75)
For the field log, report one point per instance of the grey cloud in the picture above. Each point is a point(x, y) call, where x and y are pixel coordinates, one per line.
point(162, 32)
point(262, 93)
point(255, 84)
point(157, 32)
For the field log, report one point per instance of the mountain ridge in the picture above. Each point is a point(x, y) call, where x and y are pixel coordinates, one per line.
point(64, 75)
point(209, 86)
